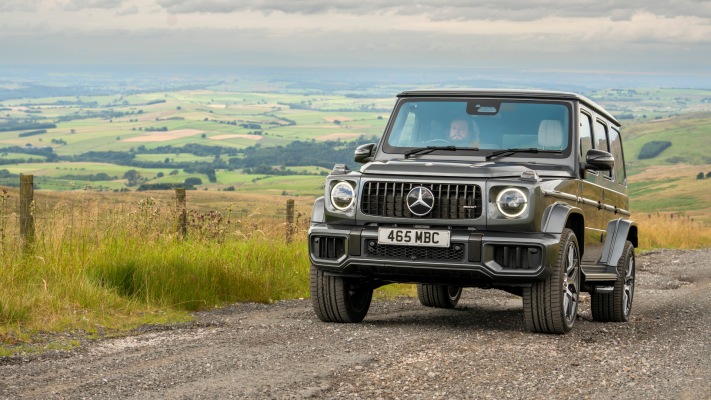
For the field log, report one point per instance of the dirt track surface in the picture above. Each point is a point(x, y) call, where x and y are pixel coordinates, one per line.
point(402, 350)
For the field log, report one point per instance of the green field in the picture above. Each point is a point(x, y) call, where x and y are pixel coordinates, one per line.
point(206, 117)
point(649, 104)
point(223, 117)
point(690, 136)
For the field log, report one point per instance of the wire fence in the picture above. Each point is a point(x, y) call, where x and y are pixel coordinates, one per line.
point(92, 216)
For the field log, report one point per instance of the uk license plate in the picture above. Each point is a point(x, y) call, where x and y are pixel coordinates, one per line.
point(413, 237)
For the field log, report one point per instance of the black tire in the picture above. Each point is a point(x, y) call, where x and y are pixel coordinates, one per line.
point(338, 299)
point(551, 305)
point(439, 296)
point(617, 306)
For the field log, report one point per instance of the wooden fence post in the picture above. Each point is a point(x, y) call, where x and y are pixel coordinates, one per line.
point(182, 211)
point(289, 220)
point(27, 218)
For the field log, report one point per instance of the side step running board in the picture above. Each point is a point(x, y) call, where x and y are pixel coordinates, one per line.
point(601, 277)
point(603, 289)
point(599, 273)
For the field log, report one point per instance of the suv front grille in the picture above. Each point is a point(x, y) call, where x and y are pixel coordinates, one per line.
point(455, 252)
point(389, 199)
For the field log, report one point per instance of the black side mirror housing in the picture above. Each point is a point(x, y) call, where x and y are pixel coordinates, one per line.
point(599, 160)
point(364, 153)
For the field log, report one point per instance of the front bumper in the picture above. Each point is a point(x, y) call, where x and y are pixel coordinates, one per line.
point(474, 258)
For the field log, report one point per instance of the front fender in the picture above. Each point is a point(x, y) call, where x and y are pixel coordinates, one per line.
point(618, 232)
point(317, 213)
point(556, 217)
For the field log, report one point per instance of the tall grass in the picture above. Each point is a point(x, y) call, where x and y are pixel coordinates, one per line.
point(100, 268)
point(189, 275)
point(674, 231)
point(104, 266)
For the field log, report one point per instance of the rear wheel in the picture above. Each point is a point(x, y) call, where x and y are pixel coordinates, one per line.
point(439, 296)
point(338, 299)
point(551, 306)
point(617, 306)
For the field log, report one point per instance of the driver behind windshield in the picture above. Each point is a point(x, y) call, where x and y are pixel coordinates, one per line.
point(463, 133)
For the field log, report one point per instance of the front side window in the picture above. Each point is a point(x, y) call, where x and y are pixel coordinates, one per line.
point(486, 124)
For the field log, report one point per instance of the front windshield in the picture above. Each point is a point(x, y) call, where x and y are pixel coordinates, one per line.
point(485, 124)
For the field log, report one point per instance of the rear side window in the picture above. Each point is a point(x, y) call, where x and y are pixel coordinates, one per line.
point(616, 147)
point(600, 141)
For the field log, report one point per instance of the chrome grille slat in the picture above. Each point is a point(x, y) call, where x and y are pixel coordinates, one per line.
point(389, 199)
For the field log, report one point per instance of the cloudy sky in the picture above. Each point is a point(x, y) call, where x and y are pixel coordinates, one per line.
point(616, 36)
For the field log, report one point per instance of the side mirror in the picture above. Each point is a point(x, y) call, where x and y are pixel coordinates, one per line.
point(364, 152)
point(599, 160)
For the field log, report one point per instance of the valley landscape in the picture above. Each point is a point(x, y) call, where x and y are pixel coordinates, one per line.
point(108, 256)
point(281, 138)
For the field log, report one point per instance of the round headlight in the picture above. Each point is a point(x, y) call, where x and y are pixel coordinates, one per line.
point(511, 202)
point(342, 195)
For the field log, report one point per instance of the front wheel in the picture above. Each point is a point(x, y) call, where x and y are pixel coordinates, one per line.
point(438, 296)
point(617, 306)
point(338, 299)
point(551, 306)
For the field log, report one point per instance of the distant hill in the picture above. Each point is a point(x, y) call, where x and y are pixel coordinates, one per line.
point(689, 135)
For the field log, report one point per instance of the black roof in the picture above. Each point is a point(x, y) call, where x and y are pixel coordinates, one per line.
point(509, 93)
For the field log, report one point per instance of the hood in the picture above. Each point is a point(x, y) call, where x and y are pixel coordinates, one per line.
point(485, 169)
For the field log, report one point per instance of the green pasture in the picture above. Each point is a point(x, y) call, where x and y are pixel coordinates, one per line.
point(648, 104)
point(77, 168)
point(690, 136)
point(190, 109)
point(310, 170)
point(236, 177)
point(181, 157)
point(676, 192)
point(52, 176)
point(19, 156)
point(290, 184)
point(638, 189)
point(49, 183)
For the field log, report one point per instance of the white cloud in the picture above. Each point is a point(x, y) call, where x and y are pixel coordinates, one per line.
point(552, 34)
point(130, 10)
point(78, 5)
point(516, 10)
point(8, 6)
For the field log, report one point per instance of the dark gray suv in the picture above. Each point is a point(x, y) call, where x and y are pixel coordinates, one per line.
point(524, 191)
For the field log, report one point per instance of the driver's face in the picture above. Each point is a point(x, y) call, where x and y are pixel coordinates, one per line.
point(459, 130)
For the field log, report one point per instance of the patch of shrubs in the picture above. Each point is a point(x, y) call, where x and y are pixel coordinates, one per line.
point(32, 133)
point(653, 149)
point(193, 181)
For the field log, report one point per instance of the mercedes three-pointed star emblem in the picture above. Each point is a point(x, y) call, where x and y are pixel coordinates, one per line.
point(420, 201)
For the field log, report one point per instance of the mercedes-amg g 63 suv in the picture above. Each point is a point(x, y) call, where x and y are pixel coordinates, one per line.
point(523, 191)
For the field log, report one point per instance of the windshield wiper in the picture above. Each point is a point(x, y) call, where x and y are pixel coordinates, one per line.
point(513, 151)
point(429, 149)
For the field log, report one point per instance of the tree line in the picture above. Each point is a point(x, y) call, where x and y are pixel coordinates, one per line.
point(298, 153)
point(23, 126)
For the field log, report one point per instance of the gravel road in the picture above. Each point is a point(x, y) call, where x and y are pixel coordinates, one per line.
point(402, 350)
